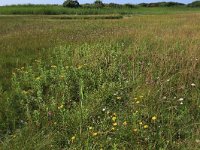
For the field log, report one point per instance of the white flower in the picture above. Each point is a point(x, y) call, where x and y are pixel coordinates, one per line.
point(103, 109)
point(180, 99)
point(181, 103)
point(164, 97)
point(193, 84)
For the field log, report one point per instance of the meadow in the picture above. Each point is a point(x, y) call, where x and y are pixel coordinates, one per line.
point(128, 82)
point(60, 10)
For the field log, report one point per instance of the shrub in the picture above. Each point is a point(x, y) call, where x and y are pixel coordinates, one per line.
point(71, 3)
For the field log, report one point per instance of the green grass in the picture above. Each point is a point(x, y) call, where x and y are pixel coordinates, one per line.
point(59, 10)
point(100, 83)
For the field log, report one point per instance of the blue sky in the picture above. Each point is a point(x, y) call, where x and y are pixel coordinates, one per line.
point(9, 2)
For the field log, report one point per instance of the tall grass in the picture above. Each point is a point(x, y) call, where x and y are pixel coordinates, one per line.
point(59, 10)
point(129, 83)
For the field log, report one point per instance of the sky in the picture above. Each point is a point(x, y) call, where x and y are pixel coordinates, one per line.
point(10, 2)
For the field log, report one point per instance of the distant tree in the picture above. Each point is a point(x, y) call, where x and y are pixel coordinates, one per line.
point(129, 6)
point(114, 5)
point(71, 3)
point(98, 3)
point(194, 4)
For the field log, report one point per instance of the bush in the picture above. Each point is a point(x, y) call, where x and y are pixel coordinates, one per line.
point(71, 3)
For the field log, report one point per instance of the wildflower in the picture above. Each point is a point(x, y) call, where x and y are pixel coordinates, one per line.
point(164, 97)
point(118, 98)
point(38, 78)
point(55, 123)
point(114, 118)
point(112, 128)
point(80, 66)
point(140, 123)
point(73, 138)
point(24, 92)
point(193, 85)
point(135, 98)
point(137, 102)
point(180, 99)
point(94, 134)
point(135, 130)
point(181, 103)
point(154, 118)
point(62, 76)
point(103, 109)
point(61, 106)
point(114, 114)
point(53, 66)
point(146, 126)
point(141, 96)
point(90, 128)
point(114, 124)
point(124, 123)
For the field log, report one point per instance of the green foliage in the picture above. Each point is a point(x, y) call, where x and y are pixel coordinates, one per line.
point(194, 4)
point(71, 4)
point(98, 4)
point(90, 9)
point(161, 4)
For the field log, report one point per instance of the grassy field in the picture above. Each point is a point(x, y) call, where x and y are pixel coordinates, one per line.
point(122, 83)
point(59, 10)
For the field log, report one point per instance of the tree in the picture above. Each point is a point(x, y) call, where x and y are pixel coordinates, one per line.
point(71, 3)
point(98, 3)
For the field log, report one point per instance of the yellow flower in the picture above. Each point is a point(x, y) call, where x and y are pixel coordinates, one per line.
point(154, 118)
point(135, 98)
point(137, 102)
point(146, 126)
point(38, 78)
point(115, 124)
point(53, 66)
point(80, 66)
point(124, 123)
point(114, 114)
point(135, 130)
point(90, 128)
point(114, 118)
point(73, 138)
point(140, 123)
point(119, 98)
point(112, 128)
point(61, 106)
point(94, 134)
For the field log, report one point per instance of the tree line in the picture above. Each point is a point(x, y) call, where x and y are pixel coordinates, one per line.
point(100, 4)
